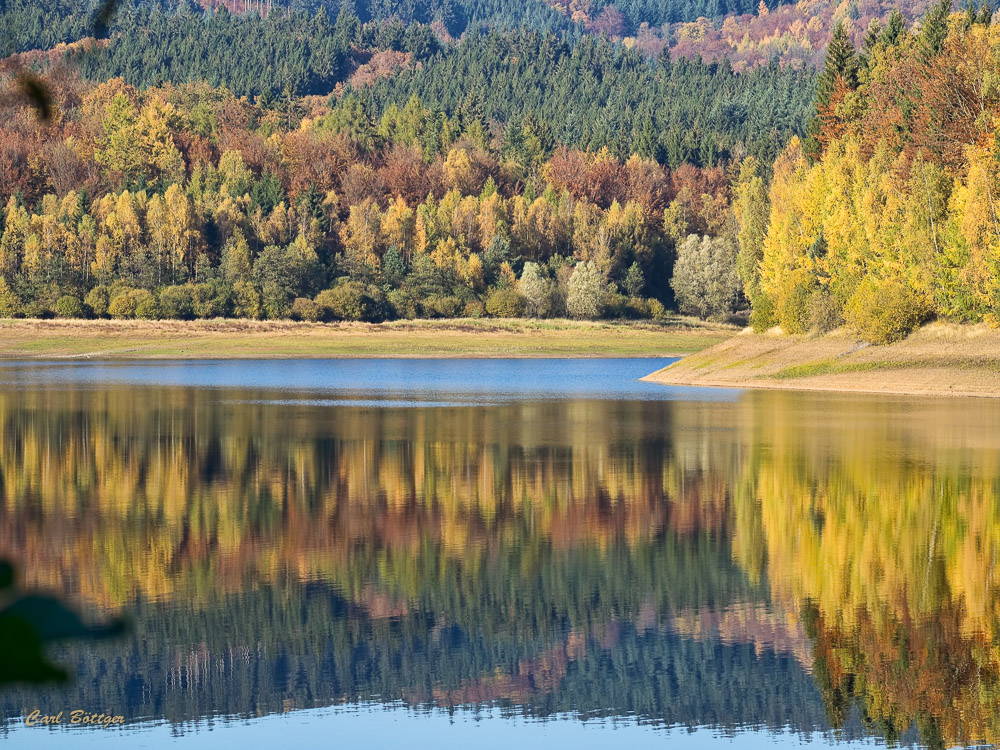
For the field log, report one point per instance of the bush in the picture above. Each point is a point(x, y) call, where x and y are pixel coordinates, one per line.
point(762, 313)
point(246, 300)
point(615, 305)
point(403, 304)
point(122, 306)
point(442, 306)
point(177, 302)
point(637, 308)
point(147, 307)
point(97, 299)
point(505, 302)
point(343, 302)
point(306, 309)
point(885, 310)
point(34, 309)
point(211, 300)
point(656, 310)
point(793, 300)
point(823, 312)
point(69, 306)
point(353, 300)
point(474, 309)
point(10, 303)
point(134, 303)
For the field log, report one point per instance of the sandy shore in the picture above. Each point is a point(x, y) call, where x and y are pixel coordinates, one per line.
point(939, 359)
point(250, 339)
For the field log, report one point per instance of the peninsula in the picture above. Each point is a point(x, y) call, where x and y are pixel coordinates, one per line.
point(939, 359)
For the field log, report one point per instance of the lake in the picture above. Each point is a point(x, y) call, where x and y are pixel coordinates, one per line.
point(492, 552)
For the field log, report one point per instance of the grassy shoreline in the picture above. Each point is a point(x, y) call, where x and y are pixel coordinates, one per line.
point(249, 339)
point(940, 360)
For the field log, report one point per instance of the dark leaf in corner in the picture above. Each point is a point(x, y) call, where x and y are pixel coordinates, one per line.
point(37, 94)
point(102, 18)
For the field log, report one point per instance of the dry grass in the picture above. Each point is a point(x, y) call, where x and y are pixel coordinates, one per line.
point(235, 339)
point(939, 359)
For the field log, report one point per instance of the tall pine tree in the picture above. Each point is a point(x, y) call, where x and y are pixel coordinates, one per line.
point(839, 69)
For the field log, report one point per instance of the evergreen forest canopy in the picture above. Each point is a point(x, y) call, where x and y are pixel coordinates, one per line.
point(42, 26)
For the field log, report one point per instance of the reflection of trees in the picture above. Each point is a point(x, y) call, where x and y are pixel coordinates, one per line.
point(883, 523)
point(292, 645)
point(532, 554)
point(572, 556)
point(114, 495)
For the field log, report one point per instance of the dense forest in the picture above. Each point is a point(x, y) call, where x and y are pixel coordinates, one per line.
point(885, 216)
point(506, 174)
point(511, 171)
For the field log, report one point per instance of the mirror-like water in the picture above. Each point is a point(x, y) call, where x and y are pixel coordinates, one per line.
point(580, 554)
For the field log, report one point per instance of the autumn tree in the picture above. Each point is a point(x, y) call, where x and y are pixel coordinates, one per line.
point(705, 281)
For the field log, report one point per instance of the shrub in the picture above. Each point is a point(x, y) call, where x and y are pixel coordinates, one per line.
point(353, 300)
point(505, 302)
point(442, 306)
point(584, 291)
point(306, 309)
point(823, 312)
point(246, 300)
point(133, 303)
point(636, 308)
point(122, 306)
point(10, 303)
point(793, 299)
point(69, 306)
point(343, 302)
point(403, 304)
point(177, 302)
point(97, 299)
point(34, 309)
point(147, 306)
point(474, 309)
point(762, 313)
point(615, 305)
point(656, 310)
point(211, 300)
point(885, 310)
point(377, 307)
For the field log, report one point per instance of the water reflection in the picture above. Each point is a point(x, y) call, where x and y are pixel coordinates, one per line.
point(780, 561)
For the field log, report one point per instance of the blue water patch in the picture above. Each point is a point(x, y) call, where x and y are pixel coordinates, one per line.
point(454, 381)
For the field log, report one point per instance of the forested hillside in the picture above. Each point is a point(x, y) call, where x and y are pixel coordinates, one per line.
point(595, 94)
point(886, 215)
point(188, 202)
point(361, 162)
point(511, 173)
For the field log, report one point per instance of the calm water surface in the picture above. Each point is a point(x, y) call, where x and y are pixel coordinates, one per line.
point(500, 552)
